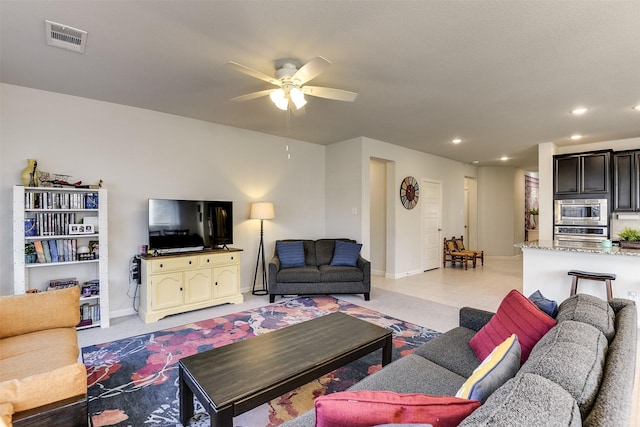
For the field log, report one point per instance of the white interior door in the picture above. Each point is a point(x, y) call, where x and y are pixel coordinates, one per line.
point(431, 200)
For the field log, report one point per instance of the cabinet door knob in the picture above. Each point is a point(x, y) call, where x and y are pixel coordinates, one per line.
point(216, 283)
point(161, 265)
point(181, 289)
point(189, 262)
point(231, 258)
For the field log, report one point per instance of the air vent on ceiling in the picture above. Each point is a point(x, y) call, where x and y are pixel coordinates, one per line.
point(65, 37)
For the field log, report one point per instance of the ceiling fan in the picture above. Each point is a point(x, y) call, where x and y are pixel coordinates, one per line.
point(291, 83)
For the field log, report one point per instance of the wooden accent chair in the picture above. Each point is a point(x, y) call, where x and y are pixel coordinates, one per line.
point(475, 254)
point(450, 253)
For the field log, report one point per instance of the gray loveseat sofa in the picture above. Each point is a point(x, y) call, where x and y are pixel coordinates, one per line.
point(317, 276)
point(575, 375)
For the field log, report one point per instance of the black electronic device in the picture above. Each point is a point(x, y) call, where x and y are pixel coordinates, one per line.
point(189, 225)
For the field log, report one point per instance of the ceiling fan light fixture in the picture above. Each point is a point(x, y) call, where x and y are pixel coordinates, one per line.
point(279, 99)
point(297, 97)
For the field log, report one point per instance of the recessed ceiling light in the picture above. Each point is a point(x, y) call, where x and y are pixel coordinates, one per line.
point(475, 162)
point(576, 137)
point(579, 110)
point(637, 107)
point(456, 141)
point(504, 158)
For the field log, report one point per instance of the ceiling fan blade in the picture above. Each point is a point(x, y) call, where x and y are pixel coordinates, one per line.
point(253, 73)
point(330, 93)
point(311, 70)
point(253, 95)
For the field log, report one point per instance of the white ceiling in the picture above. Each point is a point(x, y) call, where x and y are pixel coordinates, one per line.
point(501, 75)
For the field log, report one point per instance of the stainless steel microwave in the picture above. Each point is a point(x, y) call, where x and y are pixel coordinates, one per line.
point(581, 212)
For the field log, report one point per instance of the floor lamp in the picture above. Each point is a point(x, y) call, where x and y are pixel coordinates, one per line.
point(261, 211)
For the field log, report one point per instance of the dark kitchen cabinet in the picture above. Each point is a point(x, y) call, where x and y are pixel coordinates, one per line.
point(626, 181)
point(582, 174)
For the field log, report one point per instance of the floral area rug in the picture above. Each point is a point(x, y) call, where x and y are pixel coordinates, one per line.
point(134, 381)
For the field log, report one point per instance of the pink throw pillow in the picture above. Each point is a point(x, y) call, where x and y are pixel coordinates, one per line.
point(516, 315)
point(368, 408)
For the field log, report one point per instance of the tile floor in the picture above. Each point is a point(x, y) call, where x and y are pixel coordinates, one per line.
point(430, 299)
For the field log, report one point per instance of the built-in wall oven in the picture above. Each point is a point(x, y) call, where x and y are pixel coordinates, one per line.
point(581, 220)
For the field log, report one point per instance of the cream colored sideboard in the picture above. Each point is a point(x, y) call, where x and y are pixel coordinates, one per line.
point(174, 284)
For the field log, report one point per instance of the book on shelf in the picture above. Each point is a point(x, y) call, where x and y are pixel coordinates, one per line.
point(84, 322)
point(49, 224)
point(58, 250)
point(89, 313)
point(60, 200)
point(47, 253)
point(53, 250)
point(39, 251)
point(62, 283)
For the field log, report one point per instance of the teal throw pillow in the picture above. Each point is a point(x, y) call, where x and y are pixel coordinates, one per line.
point(291, 254)
point(346, 254)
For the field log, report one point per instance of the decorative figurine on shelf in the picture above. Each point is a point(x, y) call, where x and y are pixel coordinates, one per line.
point(29, 175)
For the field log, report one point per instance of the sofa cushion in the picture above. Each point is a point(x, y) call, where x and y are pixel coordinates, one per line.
point(549, 306)
point(588, 309)
point(501, 365)
point(46, 386)
point(452, 351)
point(572, 355)
point(366, 408)
point(19, 355)
point(515, 315)
point(346, 253)
point(324, 251)
point(527, 400)
point(61, 307)
point(306, 274)
point(330, 273)
point(291, 254)
point(413, 374)
point(613, 405)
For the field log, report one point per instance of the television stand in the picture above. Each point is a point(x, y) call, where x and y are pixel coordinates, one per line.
point(181, 282)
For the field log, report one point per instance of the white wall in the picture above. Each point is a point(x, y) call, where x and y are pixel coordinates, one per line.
point(403, 238)
point(142, 154)
point(500, 210)
point(344, 187)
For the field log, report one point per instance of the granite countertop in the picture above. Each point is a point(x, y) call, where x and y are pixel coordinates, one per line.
point(585, 247)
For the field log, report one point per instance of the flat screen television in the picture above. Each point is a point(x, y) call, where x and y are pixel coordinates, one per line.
point(189, 225)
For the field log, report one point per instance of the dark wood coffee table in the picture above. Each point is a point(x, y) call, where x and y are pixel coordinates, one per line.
point(233, 379)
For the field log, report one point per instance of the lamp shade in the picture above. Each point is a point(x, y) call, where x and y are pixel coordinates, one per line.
point(262, 210)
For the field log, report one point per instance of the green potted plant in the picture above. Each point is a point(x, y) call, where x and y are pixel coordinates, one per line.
point(30, 253)
point(629, 238)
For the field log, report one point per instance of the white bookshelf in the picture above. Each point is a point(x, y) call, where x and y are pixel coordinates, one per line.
point(28, 203)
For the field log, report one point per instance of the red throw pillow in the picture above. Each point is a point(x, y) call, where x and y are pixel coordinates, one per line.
point(516, 315)
point(368, 408)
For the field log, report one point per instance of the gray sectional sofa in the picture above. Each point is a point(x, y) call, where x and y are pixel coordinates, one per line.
point(317, 276)
point(580, 372)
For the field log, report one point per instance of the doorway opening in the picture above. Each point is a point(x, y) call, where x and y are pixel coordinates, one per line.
point(471, 212)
